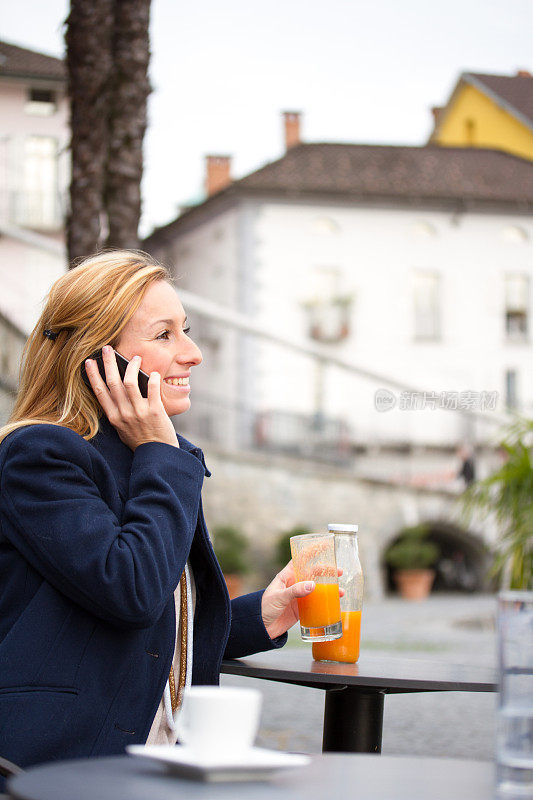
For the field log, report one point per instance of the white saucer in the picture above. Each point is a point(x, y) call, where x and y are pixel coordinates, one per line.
point(255, 764)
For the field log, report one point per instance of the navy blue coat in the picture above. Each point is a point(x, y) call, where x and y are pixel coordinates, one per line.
point(93, 540)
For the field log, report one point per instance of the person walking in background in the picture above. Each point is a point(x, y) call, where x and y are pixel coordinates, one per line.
point(462, 476)
point(467, 470)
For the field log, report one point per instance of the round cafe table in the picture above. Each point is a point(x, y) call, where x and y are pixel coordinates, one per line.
point(355, 693)
point(362, 777)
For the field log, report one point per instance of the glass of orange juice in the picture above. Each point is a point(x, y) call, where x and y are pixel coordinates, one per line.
point(313, 559)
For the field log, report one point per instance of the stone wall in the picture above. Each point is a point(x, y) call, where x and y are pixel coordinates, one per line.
point(268, 495)
point(12, 341)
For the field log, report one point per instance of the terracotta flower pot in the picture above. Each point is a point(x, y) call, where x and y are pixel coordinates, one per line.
point(234, 584)
point(414, 584)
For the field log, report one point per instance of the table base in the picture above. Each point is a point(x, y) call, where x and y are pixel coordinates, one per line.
point(353, 721)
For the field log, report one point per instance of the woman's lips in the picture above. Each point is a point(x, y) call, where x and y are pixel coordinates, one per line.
point(178, 384)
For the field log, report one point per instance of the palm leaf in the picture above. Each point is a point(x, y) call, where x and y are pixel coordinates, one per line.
point(508, 495)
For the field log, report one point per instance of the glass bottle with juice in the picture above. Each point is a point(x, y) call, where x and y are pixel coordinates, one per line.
point(346, 648)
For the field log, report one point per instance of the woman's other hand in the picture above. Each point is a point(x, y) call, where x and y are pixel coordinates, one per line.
point(137, 419)
point(279, 607)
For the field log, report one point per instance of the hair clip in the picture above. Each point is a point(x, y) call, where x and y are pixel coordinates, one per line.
point(50, 334)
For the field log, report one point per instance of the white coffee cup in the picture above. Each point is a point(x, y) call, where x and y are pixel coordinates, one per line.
point(219, 720)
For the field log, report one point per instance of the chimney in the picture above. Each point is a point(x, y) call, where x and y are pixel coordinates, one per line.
point(292, 128)
point(523, 73)
point(217, 174)
point(436, 111)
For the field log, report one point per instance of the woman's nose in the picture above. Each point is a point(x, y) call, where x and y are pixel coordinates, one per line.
point(191, 354)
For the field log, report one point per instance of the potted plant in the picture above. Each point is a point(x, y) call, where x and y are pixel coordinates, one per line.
point(282, 549)
point(412, 558)
point(231, 548)
point(507, 494)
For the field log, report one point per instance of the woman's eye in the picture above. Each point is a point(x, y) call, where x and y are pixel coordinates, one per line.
point(187, 329)
point(163, 335)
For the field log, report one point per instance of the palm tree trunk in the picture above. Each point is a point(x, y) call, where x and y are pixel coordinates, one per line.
point(89, 63)
point(107, 59)
point(127, 121)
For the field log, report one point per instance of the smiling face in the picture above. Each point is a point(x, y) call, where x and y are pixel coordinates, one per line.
point(157, 333)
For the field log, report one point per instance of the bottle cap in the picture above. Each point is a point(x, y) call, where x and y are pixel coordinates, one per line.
point(342, 526)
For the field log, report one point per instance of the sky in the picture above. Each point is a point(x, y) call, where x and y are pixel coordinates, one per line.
point(222, 72)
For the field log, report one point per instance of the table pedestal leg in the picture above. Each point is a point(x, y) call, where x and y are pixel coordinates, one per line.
point(353, 721)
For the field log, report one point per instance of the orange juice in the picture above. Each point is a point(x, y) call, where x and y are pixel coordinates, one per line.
point(347, 647)
point(321, 607)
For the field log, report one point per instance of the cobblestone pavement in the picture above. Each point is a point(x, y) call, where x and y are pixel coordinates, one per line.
point(457, 629)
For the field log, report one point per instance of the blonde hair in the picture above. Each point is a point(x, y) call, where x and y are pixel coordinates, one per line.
point(85, 309)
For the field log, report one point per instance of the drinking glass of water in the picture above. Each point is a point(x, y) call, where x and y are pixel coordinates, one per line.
point(514, 724)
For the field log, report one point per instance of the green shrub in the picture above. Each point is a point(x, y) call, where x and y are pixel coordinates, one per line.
point(412, 551)
point(282, 550)
point(231, 548)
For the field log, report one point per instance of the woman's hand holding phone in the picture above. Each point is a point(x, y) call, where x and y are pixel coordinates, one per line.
point(136, 419)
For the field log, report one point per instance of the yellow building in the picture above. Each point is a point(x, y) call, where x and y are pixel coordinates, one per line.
point(493, 111)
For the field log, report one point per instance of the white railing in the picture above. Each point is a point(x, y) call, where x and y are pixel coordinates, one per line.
point(277, 428)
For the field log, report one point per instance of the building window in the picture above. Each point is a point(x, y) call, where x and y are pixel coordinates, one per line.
point(36, 204)
point(41, 102)
point(328, 307)
point(325, 225)
point(516, 307)
point(426, 305)
point(325, 282)
point(421, 229)
point(511, 390)
point(514, 234)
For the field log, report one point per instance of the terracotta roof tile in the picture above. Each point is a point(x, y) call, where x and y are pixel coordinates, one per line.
point(448, 173)
point(383, 173)
point(19, 62)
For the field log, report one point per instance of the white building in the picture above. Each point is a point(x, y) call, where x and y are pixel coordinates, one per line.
point(33, 179)
point(412, 262)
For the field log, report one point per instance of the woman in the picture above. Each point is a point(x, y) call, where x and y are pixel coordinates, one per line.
point(111, 597)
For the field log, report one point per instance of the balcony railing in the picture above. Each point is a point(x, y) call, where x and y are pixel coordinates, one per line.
point(298, 435)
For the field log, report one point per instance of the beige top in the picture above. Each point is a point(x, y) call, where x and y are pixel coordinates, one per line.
point(161, 732)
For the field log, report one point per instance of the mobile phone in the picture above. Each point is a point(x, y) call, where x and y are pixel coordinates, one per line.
point(122, 363)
